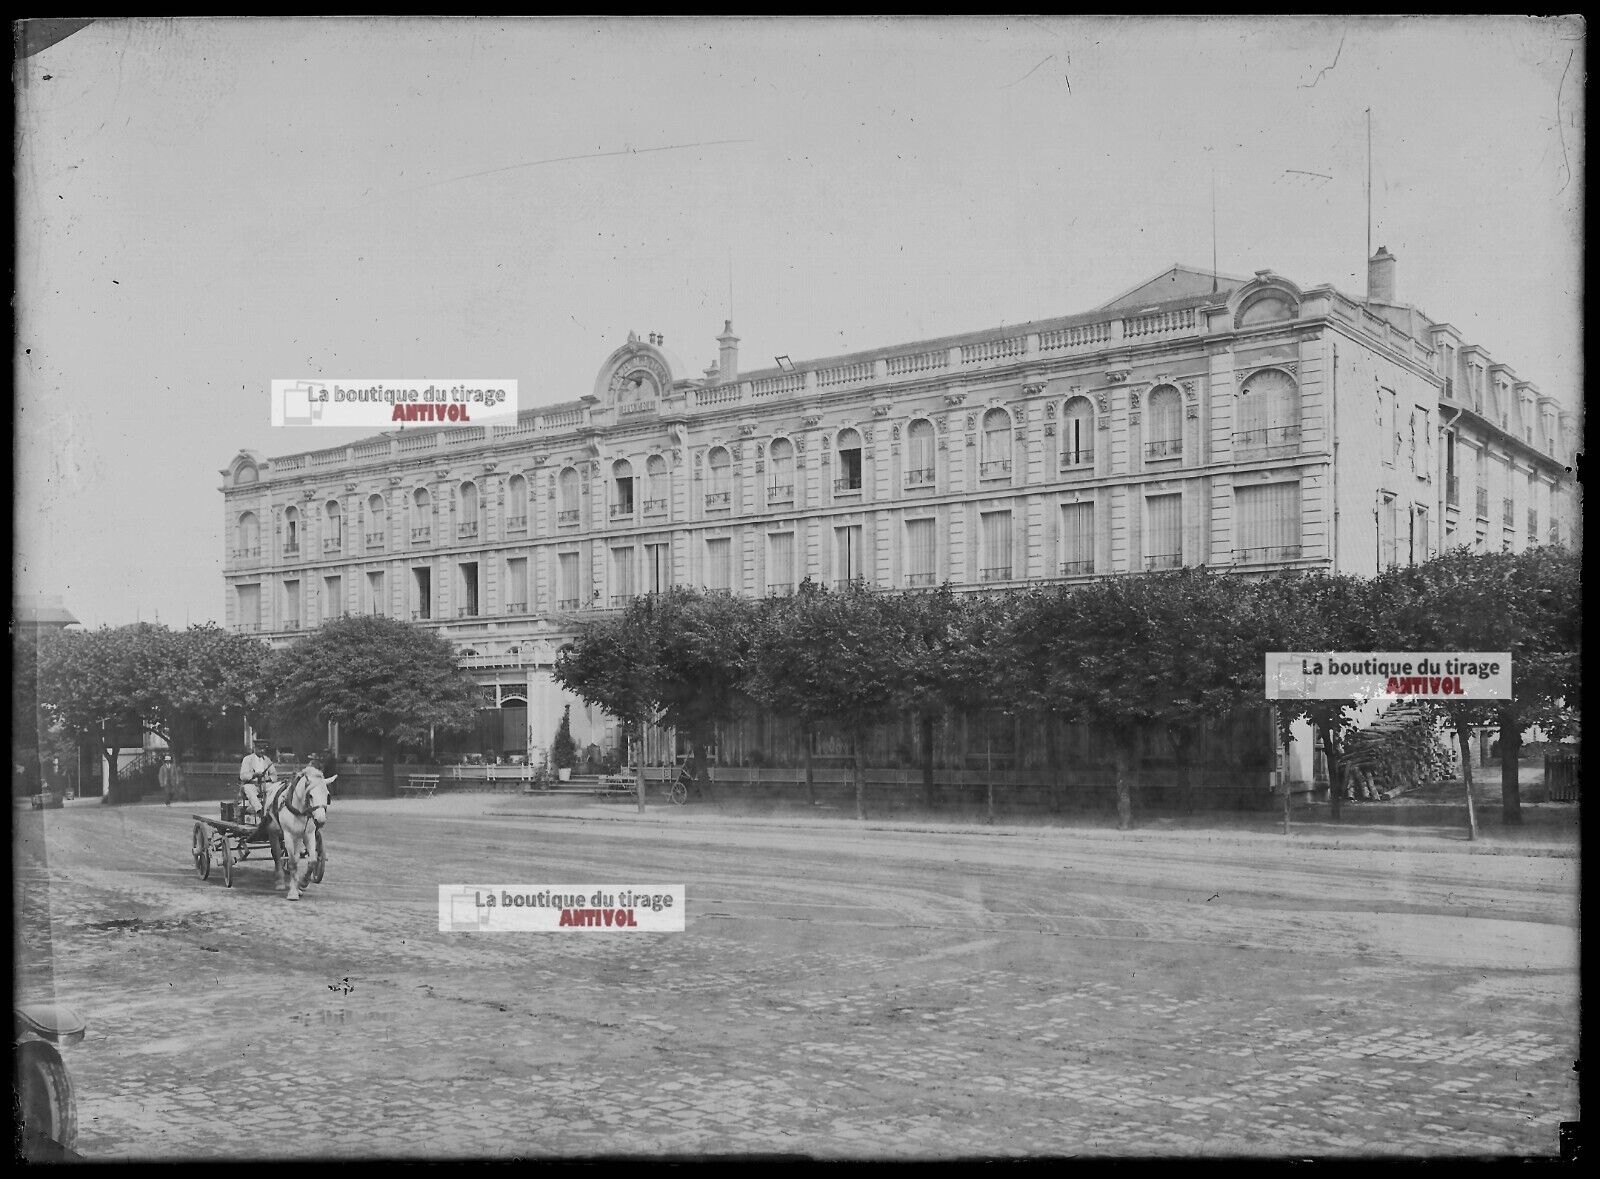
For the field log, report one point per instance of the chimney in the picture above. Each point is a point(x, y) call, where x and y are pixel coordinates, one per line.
point(728, 356)
point(1380, 276)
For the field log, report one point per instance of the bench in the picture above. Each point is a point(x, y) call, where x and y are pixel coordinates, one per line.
point(610, 783)
point(422, 785)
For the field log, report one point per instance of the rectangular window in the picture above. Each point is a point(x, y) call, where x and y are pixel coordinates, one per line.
point(467, 586)
point(516, 595)
point(780, 562)
point(332, 597)
point(622, 579)
point(291, 604)
point(1388, 525)
point(622, 505)
point(567, 581)
point(849, 558)
point(922, 552)
point(1391, 426)
point(1420, 538)
point(1077, 539)
point(996, 547)
point(1268, 522)
point(375, 602)
point(422, 593)
point(1163, 548)
point(719, 564)
point(658, 567)
point(249, 607)
point(849, 470)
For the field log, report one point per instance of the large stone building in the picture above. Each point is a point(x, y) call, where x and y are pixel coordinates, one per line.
point(1246, 424)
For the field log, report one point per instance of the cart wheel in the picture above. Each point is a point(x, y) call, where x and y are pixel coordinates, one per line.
point(679, 794)
point(322, 861)
point(49, 1112)
point(227, 861)
point(202, 851)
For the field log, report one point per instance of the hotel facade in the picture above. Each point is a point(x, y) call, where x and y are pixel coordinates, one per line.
point(1242, 424)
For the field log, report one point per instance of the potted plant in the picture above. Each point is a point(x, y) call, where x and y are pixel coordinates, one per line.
point(563, 750)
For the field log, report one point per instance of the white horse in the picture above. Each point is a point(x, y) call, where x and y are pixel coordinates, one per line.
point(297, 815)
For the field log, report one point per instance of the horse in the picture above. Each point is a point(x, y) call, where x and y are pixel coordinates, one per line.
point(296, 815)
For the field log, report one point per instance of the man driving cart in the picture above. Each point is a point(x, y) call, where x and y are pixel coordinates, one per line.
point(258, 776)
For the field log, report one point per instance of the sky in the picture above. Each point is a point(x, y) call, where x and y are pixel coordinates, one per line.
point(204, 205)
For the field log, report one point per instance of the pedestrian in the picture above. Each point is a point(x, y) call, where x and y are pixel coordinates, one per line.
point(171, 779)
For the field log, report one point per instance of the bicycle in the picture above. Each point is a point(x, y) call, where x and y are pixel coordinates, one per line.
point(678, 792)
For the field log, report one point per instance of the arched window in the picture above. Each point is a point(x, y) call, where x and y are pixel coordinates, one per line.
point(332, 526)
point(719, 478)
point(421, 516)
point(622, 484)
point(849, 478)
point(1077, 433)
point(657, 486)
point(1269, 411)
point(377, 529)
point(568, 487)
point(247, 536)
point(291, 531)
point(516, 504)
point(1164, 424)
point(996, 459)
point(246, 473)
point(781, 457)
point(467, 511)
point(920, 466)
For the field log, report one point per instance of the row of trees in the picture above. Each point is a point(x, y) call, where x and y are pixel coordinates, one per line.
point(1176, 653)
point(373, 675)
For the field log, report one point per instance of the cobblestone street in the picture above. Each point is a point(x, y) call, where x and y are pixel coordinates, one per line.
point(840, 991)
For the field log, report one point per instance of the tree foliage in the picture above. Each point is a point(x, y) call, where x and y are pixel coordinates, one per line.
point(376, 675)
point(821, 655)
point(170, 682)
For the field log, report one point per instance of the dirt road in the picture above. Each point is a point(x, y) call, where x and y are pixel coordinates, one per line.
point(837, 992)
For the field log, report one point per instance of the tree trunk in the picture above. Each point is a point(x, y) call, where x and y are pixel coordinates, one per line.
point(638, 760)
point(390, 756)
point(926, 721)
point(988, 757)
point(113, 785)
point(1510, 748)
point(1124, 793)
point(1052, 757)
point(811, 777)
point(1330, 751)
point(861, 774)
point(1465, 742)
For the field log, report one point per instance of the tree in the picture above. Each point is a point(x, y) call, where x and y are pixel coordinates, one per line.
point(702, 654)
point(84, 684)
point(169, 682)
point(1170, 651)
point(612, 663)
point(376, 675)
point(1527, 603)
point(931, 628)
point(563, 749)
point(822, 655)
point(1317, 612)
point(198, 675)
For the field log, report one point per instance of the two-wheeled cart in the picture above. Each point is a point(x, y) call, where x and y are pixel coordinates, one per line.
point(229, 841)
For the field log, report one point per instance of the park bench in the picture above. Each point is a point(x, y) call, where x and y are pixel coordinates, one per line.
point(615, 783)
point(422, 785)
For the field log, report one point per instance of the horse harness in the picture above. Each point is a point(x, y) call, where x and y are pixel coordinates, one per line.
point(285, 801)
